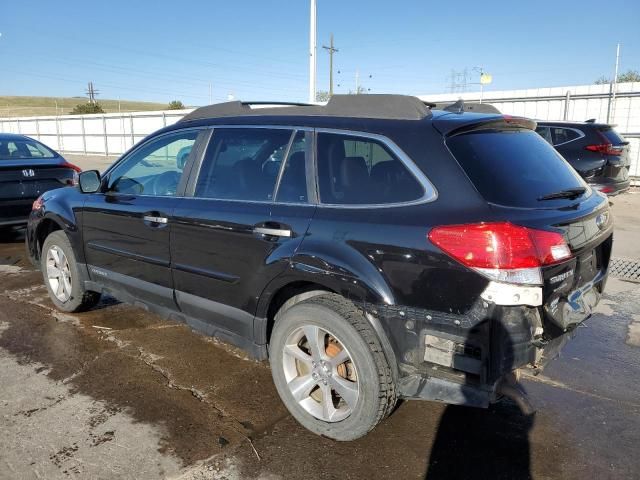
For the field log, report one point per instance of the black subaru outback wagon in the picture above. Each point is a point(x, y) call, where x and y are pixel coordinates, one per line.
point(372, 249)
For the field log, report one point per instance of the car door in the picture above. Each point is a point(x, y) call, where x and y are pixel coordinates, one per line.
point(126, 226)
point(235, 230)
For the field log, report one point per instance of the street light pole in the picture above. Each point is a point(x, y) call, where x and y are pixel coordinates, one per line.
point(312, 51)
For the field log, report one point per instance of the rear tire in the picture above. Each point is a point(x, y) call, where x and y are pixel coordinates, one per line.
point(62, 277)
point(340, 385)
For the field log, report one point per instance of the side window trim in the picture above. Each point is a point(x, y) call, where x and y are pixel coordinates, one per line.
point(285, 159)
point(430, 192)
point(198, 162)
point(193, 161)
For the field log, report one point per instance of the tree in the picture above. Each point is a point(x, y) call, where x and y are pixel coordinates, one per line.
point(628, 76)
point(322, 96)
point(83, 108)
point(360, 90)
point(176, 105)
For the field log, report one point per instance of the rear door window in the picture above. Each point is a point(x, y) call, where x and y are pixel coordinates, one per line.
point(514, 167)
point(354, 170)
point(242, 164)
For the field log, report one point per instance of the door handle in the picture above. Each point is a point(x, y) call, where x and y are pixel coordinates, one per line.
point(273, 232)
point(152, 219)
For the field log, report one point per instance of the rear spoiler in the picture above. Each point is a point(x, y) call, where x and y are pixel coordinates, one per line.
point(453, 124)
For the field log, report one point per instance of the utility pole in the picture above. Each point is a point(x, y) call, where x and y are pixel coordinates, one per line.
point(312, 51)
point(331, 51)
point(210, 94)
point(357, 81)
point(613, 87)
point(91, 93)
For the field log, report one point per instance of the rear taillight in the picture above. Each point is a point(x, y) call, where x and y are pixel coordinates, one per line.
point(605, 149)
point(603, 189)
point(66, 164)
point(502, 251)
point(37, 203)
point(76, 170)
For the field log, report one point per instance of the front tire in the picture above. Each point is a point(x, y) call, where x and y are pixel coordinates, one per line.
point(330, 369)
point(62, 277)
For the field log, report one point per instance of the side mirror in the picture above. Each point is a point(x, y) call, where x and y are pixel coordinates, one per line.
point(89, 181)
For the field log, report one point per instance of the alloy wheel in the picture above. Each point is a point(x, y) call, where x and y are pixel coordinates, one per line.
point(58, 273)
point(320, 373)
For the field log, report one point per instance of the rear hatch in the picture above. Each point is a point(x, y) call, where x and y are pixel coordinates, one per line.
point(526, 182)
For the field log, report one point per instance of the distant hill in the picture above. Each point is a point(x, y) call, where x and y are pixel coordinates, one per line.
point(36, 106)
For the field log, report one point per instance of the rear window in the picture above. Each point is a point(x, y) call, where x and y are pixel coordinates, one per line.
point(514, 167)
point(614, 137)
point(23, 148)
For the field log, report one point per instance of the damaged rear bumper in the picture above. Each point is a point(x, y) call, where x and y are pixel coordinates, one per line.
point(470, 358)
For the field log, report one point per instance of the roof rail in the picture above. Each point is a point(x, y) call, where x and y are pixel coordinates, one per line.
point(383, 106)
point(591, 120)
point(284, 104)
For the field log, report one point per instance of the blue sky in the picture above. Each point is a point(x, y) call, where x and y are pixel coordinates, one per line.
point(164, 50)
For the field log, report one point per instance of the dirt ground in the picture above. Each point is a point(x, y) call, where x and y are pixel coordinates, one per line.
point(119, 393)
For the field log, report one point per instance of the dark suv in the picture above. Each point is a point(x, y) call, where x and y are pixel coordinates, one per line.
point(372, 249)
point(595, 150)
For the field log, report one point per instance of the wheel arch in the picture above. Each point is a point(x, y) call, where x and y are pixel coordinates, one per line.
point(296, 291)
point(45, 227)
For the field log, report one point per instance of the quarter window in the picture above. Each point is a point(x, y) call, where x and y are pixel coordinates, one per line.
point(563, 135)
point(242, 164)
point(353, 170)
point(154, 169)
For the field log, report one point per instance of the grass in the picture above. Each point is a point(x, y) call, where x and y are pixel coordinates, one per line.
point(40, 106)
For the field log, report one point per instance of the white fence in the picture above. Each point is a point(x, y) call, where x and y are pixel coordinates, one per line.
point(115, 133)
point(108, 134)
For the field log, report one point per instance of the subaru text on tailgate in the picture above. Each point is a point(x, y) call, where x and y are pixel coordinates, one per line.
point(372, 249)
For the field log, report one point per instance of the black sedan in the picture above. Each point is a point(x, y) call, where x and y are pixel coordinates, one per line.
point(27, 169)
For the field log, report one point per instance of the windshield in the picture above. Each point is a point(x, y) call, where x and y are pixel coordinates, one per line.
point(23, 148)
point(514, 168)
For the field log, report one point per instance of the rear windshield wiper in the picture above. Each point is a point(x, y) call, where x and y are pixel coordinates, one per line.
point(569, 193)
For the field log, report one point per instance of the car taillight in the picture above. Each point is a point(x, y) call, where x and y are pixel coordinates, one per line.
point(71, 165)
point(502, 251)
point(76, 170)
point(37, 203)
point(605, 148)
